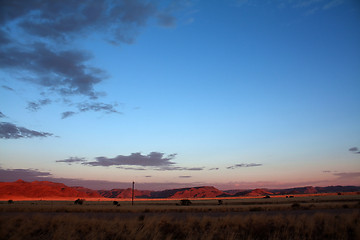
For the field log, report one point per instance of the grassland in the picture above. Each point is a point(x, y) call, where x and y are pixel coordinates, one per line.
point(314, 217)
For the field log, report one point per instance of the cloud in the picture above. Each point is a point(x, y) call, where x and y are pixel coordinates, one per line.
point(8, 88)
point(7, 175)
point(35, 106)
point(133, 168)
point(2, 115)
point(72, 160)
point(242, 165)
point(11, 131)
point(136, 159)
point(45, 56)
point(67, 114)
point(348, 176)
point(354, 150)
point(62, 71)
point(153, 161)
point(184, 176)
point(167, 168)
point(211, 169)
point(97, 106)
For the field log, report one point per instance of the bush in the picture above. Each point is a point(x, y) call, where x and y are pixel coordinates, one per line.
point(185, 202)
point(79, 201)
point(295, 205)
point(10, 201)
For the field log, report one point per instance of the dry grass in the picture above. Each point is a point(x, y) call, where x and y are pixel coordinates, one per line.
point(332, 217)
point(255, 226)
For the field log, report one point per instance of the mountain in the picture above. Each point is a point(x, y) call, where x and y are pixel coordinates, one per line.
point(124, 193)
point(51, 190)
point(254, 193)
point(194, 192)
point(43, 189)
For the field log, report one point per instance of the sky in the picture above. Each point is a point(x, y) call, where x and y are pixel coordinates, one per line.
point(235, 94)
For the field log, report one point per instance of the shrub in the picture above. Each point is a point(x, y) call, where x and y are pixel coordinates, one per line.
point(116, 203)
point(10, 201)
point(79, 201)
point(185, 202)
point(295, 205)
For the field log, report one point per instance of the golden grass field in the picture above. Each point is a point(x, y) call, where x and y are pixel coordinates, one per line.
point(301, 217)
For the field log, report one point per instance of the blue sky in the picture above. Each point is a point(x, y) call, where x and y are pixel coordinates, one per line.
point(234, 94)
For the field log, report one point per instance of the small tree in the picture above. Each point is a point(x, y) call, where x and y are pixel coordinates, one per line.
point(10, 201)
point(185, 202)
point(79, 201)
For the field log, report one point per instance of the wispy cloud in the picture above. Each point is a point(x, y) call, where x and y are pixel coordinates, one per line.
point(184, 176)
point(67, 114)
point(244, 165)
point(2, 115)
point(35, 106)
point(212, 169)
point(7, 87)
point(348, 176)
point(72, 160)
point(11, 131)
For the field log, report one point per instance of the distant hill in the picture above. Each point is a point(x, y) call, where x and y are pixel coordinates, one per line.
point(254, 193)
point(43, 189)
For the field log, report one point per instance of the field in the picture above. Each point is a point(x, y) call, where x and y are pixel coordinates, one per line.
point(301, 217)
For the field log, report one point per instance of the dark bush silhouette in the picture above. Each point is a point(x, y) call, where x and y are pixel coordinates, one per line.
point(267, 196)
point(291, 196)
point(185, 202)
point(295, 205)
point(116, 203)
point(10, 201)
point(220, 202)
point(79, 201)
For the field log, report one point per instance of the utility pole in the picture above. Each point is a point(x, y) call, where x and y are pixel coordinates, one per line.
point(132, 195)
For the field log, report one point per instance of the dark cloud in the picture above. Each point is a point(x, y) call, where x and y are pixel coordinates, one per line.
point(11, 131)
point(7, 175)
point(211, 169)
point(136, 159)
point(242, 165)
point(44, 55)
point(61, 71)
point(2, 115)
point(35, 106)
point(354, 150)
point(154, 161)
point(184, 176)
point(7, 88)
point(67, 114)
point(148, 176)
point(72, 160)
